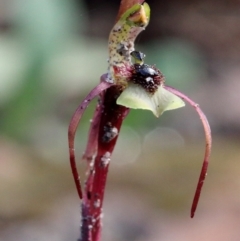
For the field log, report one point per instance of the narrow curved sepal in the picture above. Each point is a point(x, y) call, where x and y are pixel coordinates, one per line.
point(208, 147)
point(136, 97)
point(74, 124)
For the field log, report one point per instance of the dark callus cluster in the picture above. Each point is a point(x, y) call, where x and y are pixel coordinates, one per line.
point(148, 77)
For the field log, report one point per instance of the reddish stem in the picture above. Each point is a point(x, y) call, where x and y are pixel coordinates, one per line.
point(111, 120)
point(208, 147)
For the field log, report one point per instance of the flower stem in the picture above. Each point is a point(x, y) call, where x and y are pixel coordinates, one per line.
point(108, 123)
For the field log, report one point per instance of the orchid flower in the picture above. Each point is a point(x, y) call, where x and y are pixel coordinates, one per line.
point(128, 83)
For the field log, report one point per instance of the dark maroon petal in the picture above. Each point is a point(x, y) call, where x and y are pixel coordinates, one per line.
point(73, 128)
point(208, 138)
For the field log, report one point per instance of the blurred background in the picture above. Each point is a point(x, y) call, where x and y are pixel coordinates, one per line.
point(52, 53)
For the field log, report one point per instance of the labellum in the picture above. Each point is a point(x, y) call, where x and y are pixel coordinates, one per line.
point(145, 90)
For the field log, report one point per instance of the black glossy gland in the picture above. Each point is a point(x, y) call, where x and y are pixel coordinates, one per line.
point(147, 77)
